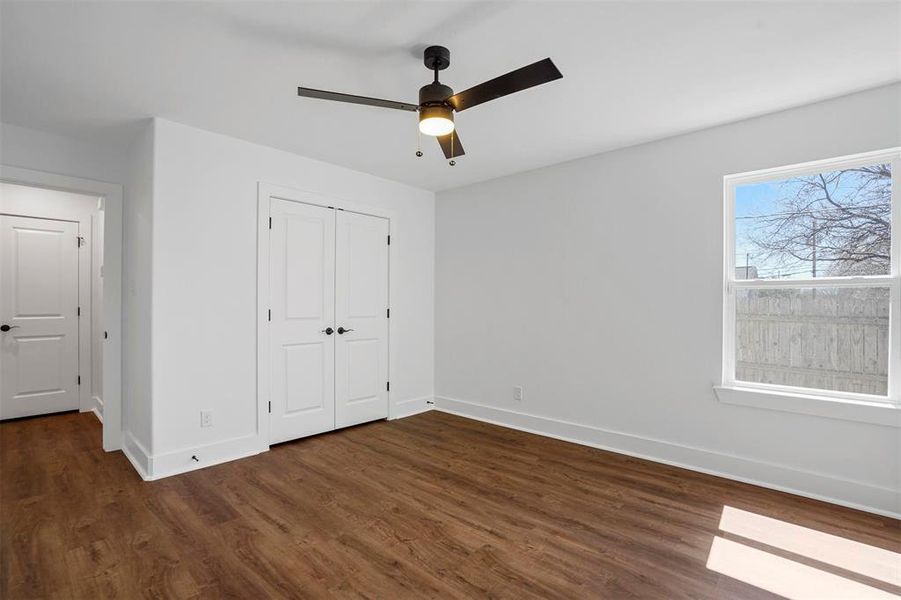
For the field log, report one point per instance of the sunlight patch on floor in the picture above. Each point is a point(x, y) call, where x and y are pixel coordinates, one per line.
point(796, 580)
point(864, 559)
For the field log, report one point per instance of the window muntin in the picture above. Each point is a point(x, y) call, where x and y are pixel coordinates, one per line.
point(812, 285)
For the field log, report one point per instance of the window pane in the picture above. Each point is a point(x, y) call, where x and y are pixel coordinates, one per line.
point(830, 224)
point(824, 338)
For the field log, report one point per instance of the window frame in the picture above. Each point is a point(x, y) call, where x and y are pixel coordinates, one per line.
point(892, 281)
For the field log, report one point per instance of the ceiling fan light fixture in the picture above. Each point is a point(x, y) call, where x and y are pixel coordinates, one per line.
point(438, 102)
point(436, 120)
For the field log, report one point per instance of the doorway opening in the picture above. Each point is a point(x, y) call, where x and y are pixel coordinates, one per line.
point(59, 298)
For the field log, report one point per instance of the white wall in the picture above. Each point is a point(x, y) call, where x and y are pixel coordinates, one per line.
point(597, 285)
point(205, 283)
point(137, 225)
point(41, 151)
point(31, 201)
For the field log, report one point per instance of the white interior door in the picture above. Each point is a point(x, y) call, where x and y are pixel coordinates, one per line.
point(361, 318)
point(302, 296)
point(39, 311)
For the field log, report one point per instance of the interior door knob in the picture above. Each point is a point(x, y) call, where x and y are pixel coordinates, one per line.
point(6, 328)
point(328, 331)
point(342, 331)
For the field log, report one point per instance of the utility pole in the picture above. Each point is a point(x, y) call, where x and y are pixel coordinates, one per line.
point(813, 243)
point(813, 239)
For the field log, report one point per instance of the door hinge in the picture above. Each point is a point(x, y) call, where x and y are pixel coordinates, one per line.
point(389, 240)
point(387, 386)
point(270, 222)
point(270, 406)
point(270, 314)
point(79, 241)
point(79, 380)
point(78, 312)
point(105, 335)
point(387, 313)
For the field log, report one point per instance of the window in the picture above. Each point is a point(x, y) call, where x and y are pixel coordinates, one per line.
point(812, 288)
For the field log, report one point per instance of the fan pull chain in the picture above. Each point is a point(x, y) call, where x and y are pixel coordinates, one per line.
point(418, 143)
point(452, 161)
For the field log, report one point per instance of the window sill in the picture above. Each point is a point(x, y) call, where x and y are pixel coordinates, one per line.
point(876, 413)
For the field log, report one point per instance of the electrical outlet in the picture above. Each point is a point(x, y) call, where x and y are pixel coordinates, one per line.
point(517, 393)
point(206, 418)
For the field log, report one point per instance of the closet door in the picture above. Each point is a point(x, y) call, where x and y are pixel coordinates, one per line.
point(361, 319)
point(302, 296)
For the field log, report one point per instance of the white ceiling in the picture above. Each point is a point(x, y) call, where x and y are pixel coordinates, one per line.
point(633, 71)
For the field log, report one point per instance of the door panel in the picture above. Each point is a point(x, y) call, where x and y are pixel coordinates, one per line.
point(302, 289)
point(363, 363)
point(305, 278)
point(39, 300)
point(361, 355)
point(304, 372)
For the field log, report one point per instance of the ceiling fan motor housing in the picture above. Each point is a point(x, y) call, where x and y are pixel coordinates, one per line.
point(434, 93)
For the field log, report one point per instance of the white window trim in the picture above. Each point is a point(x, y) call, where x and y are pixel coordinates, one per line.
point(883, 410)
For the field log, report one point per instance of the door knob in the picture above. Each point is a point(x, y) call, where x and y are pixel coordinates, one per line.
point(342, 331)
point(328, 331)
point(6, 328)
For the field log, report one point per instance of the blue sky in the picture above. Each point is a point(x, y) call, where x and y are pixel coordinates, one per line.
point(754, 200)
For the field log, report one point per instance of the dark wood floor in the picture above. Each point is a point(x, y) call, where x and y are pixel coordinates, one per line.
point(430, 506)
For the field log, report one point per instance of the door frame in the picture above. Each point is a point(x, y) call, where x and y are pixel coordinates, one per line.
point(265, 191)
point(111, 194)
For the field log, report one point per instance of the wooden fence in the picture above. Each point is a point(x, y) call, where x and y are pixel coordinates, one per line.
point(825, 338)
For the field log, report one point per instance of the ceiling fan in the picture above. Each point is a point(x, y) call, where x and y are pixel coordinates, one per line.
point(438, 102)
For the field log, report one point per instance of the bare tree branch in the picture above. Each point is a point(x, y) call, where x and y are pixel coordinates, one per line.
point(841, 219)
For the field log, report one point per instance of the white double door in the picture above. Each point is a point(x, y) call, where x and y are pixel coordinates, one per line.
point(38, 316)
point(328, 329)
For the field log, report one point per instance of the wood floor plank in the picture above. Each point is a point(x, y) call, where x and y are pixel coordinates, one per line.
point(433, 506)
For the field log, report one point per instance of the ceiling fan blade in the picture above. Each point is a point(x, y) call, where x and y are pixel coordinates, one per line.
point(324, 95)
point(537, 73)
point(451, 145)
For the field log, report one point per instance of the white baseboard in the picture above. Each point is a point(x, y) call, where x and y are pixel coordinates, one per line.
point(97, 407)
point(413, 406)
point(136, 454)
point(845, 492)
point(175, 462)
point(153, 467)
point(182, 461)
